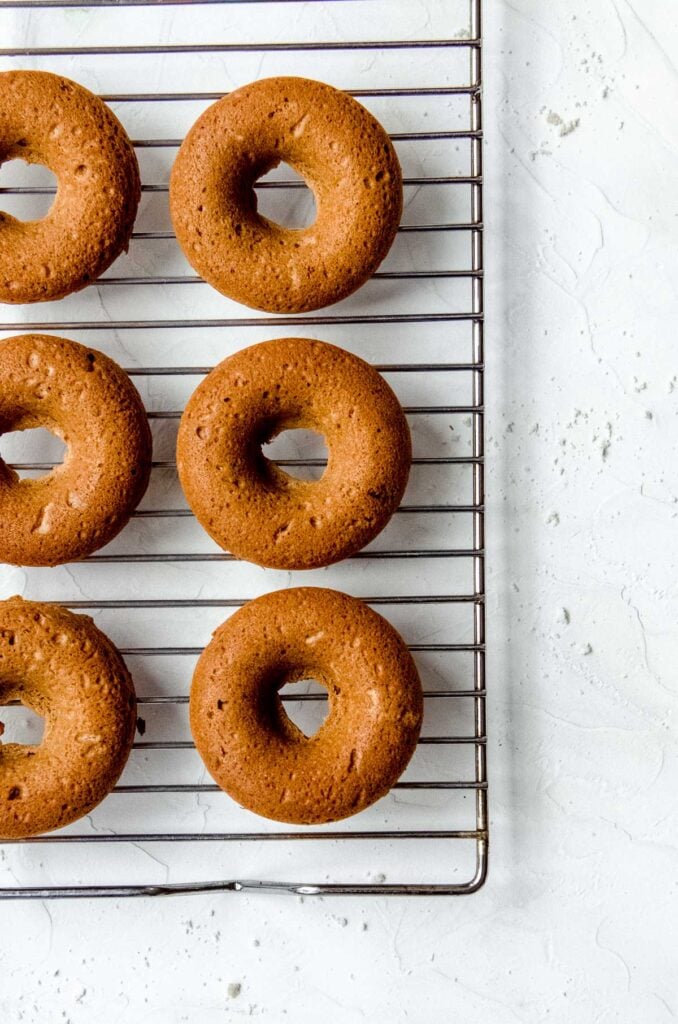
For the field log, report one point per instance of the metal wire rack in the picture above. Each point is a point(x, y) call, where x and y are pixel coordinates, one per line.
point(426, 571)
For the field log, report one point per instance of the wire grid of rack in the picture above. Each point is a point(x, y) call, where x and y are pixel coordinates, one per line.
point(440, 805)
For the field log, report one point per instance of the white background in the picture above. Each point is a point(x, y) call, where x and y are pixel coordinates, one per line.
point(578, 919)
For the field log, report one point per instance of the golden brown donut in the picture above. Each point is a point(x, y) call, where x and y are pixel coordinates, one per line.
point(257, 754)
point(47, 119)
point(88, 401)
point(346, 159)
point(66, 670)
point(253, 508)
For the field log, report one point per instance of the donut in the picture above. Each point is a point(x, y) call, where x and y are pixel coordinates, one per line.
point(62, 667)
point(47, 119)
point(250, 506)
point(345, 157)
point(88, 401)
point(257, 754)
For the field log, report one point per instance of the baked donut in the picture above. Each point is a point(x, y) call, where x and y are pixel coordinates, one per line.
point(257, 754)
point(47, 119)
point(88, 401)
point(250, 506)
point(62, 667)
point(346, 159)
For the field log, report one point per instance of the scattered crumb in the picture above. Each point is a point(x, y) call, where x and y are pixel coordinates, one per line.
point(587, 649)
point(234, 989)
point(553, 519)
point(571, 126)
point(566, 127)
point(564, 616)
point(605, 442)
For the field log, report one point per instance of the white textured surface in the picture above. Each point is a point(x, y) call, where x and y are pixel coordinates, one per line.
point(578, 919)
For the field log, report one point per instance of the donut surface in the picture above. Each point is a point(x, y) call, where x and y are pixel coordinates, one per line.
point(345, 157)
point(87, 400)
point(47, 119)
point(257, 754)
point(253, 508)
point(63, 668)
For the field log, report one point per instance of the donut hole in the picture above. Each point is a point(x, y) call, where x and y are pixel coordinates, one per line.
point(27, 205)
point(300, 453)
point(305, 703)
point(34, 452)
point(20, 724)
point(293, 208)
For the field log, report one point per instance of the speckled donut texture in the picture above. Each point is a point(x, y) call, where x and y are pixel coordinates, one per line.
point(63, 668)
point(253, 508)
point(346, 159)
point(47, 119)
point(87, 400)
point(251, 747)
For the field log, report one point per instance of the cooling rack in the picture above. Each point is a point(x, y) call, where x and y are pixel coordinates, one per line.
point(161, 587)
